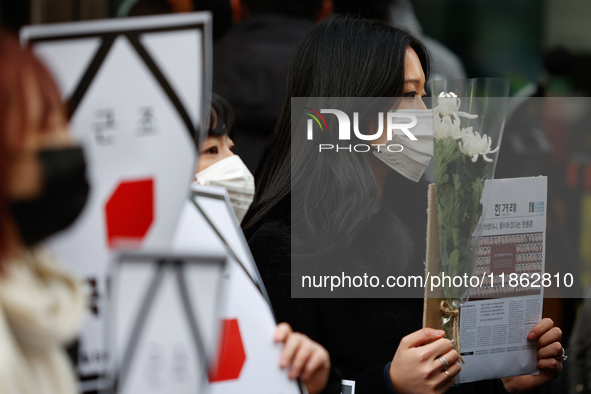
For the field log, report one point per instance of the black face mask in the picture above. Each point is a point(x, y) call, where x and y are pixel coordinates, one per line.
point(64, 194)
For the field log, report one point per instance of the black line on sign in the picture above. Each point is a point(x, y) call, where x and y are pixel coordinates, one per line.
point(90, 73)
point(138, 325)
point(192, 320)
point(135, 42)
point(98, 33)
point(227, 246)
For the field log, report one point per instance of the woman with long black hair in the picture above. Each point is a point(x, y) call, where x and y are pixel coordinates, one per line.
point(329, 210)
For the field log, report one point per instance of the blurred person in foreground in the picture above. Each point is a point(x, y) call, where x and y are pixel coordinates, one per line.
point(250, 64)
point(43, 189)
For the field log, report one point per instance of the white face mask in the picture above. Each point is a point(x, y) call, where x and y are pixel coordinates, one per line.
point(416, 155)
point(232, 174)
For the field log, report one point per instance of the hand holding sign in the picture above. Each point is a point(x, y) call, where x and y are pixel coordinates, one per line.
point(550, 353)
point(305, 358)
point(417, 368)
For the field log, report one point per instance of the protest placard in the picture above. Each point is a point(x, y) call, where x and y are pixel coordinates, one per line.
point(138, 92)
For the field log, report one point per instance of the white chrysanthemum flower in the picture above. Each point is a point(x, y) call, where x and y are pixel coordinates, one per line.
point(449, 104)
point(447, 126)
point(473, 145)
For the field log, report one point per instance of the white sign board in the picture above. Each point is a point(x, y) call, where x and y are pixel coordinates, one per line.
point(137, 92)
point(162, 322)
point(248, 359)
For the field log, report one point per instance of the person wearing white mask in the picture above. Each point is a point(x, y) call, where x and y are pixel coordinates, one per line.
point(218, 165)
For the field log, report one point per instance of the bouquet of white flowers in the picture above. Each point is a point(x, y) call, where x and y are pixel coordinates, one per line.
point(461, 164)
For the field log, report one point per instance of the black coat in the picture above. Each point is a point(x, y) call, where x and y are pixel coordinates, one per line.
point(361, 335)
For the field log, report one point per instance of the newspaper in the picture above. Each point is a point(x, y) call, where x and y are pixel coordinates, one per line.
point(507, 304)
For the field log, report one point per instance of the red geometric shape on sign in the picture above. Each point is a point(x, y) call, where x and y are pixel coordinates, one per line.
point(129, 213)
point(231, 356)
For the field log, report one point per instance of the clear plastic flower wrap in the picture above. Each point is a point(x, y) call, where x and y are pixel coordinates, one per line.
point(469, 117)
